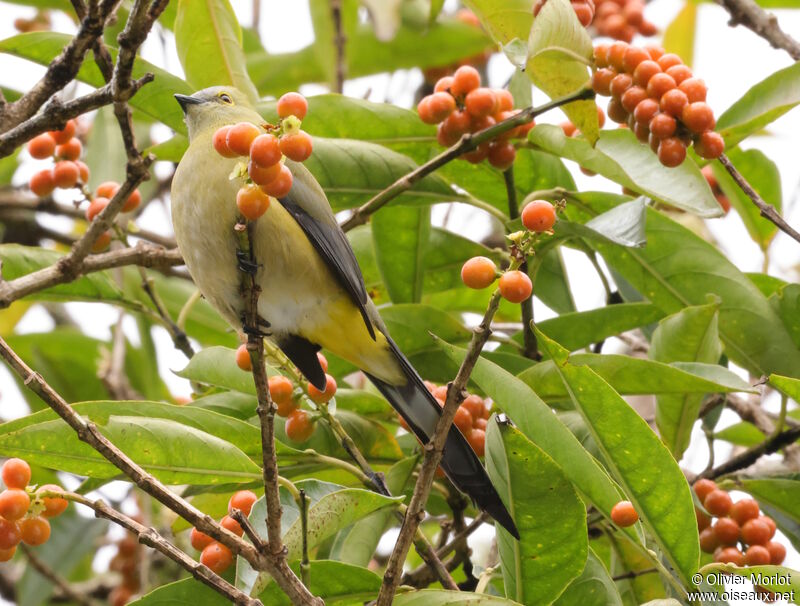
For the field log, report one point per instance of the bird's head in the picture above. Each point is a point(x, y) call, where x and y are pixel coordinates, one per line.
point(215, 107)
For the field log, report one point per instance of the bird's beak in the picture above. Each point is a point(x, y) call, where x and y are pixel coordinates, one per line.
point(185, 101)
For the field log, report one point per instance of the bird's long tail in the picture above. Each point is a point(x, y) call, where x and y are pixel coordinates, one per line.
point(421, 411)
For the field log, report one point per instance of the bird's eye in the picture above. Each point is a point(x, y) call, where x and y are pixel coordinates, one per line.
point(225, 98)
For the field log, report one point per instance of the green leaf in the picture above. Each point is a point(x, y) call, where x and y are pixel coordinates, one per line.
point(763, 103)
point(173, 452)
point(400, 236)
point(559, 51)
point(622, 224)
point(411, 326)
point(229, 403)
point(441, 597)
point(680, 33)
point(209, 43)
point(8, 166)
point(786, 301)
point(576, 330)
point(741, 434)
point(22, 260)
point(621, 158)
point(779, 579)
point(338, 583)
point(552, 550)
point(217, 366)
point(593, 588)
point(536, 420)
point(651, 477)
point(504, 20)
point(630, 376)
point(691, 335)
point(187, 592)
point(552, 283)
point(763, 175)
point(155, 99)
point(786, 385)
point(779, 493)
point(678, 268)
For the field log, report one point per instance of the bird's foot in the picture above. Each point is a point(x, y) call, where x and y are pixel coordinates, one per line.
point(258, 329)
point(246, 264)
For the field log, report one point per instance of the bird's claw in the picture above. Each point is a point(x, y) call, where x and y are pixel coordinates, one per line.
point(246, 265)
point(255, 331)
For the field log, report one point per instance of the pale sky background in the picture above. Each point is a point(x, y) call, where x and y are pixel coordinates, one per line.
point(729, 60)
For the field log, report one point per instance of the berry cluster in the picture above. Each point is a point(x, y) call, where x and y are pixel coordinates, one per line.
point(622, 19)
point(722, 199)
point(126, 563)
point(584, 10)
point(623, 514)
point(23, 513)
point(741, 535)
point(299, 423)
point(655, 94)
point(471, 417)
point(460, 105)
point(102, 196)
point(65, 148)
point(265, 174)
point(432, 74)
point(213, 553)
point(515, 286)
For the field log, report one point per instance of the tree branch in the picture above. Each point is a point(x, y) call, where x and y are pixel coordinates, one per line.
point(752, 16)
point(468, 142)
point(767, 210)
point(751, 455)
point(339, 42)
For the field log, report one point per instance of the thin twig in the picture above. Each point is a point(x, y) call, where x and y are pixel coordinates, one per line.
point(51, 575)
point(112, 372)
point(340, 39)
point(751, 455)
point(468, 142)
point(766, 210)
point(632, 574)
point(752, 16)
point(304, 563)
point(249, 529)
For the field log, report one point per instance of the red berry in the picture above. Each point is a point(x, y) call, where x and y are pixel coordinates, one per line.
point(9, 534)
point(481, 102)
point(280, 185)
point(623, 514)
point(281, 389)
point(16, 473)
point(645, 111)
point(757, 555)
point(443, 84)
point(217, 557)
point(671, 153)
point(619, 84)
point(299, 426)
point(457, 123)
point(743, 510)
point(644, 72)
point(243, 360)
point(501, 155)
point(616, 55)
point(601, 81)
point(717, 502)
point(199, 540)
point(243, 500)
point(292, 104)
point(663, 126)
point(321, 397)
point(505, 100)
point(228, 523)
point(515, 286)
point(42, 183)
point(102, 242)
point(679, 73)
point(132, 202)
point(659, 84)
point(42, 146)
point(539, 216)
point(475, 405)
point(71, 150)
point(83, 169)
point(703, 487)
point(478, 272)
point(7, 554)
point(729, 555)
point(107, 189)
point(53, 506)
point(220, 142)
point(673, 102)
point(34, 531)
point(770, 524)
point(708, 540)
point(703, 521)
point(632, 97)
point(463, 420)
point(241, 136)
point(694, 88)
point(726, 530)
point(261, 175)
point(14, 504)
point(66, 174)
point(656, 52)
point(755, 532)
point(777, 552)
point(584, 13)
point(466, 79)
point(95, 208)
point(265, 150)
point(633, 57)
point(709, 145)
point(698, 117)
point(601, 55)
point(252, 201)
point(477, 440)
point(65, 134)
point(298, 146)
point(286, 407)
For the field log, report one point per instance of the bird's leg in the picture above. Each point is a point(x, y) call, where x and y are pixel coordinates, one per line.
point(256, 330)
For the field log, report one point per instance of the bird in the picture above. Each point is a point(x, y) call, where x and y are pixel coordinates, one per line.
point(312, 291)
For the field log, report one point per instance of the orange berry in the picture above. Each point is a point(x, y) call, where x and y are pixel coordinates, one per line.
point(501, 155)
point(679, 73)
point(634, 15)
point(616, 55)
point(744, 509)
point(729, 555)
point(457, 123)
point(298, 146)
point(619, 84)
point(286, 407)
point(83, 170)
point(14, 504)
point(102, 242)
point(265, 150)
point(280, 388)
point(659, 84)
point(642, 132)
point(299, 426)
point(755, 532)
point(424, 110)
point(42, 183)
point(128, 545)
point(770, 524)
point(478, 272)
point(53, 506)
point(644, 71)
point(321, 397)
point(446, 137)
point(569, 128)
point(466, 79)
point(475, 405)
point(623, 514)
point(220, 142)
point(703, 487)
point(71, 150)
point(718, 502)
point(633, 57)
point(292, 104)
point(757, 555)
point(703, 521)
point(217, 557)
point(323, 361)
point(601, 55)
point(9, 534)
point(240, 137)
point(673, 102)
point(132, 202)
point(16, 473)
point(632, 97)
point(34, 531)
point(232, 525)
point(480, 424)
point(251, 201)
point(443, 84)
point(477, 440)
point(440, 393)
point(243, 360)
point(656, 52)
point(698, 117)
point(481, 102)
point(243, 500)
point(708, 540)
point(262, 175)
point(645, 111)
point(669, 60)
point(671, 151)
point(7, 554)
point(42, 146)
point(695, 89)
point(601, 81)
point(96, 207)
point(463, 420)
point(709, 145)
point(777, 552)
point(726, 530)
point(65, 134)
point(504, 98)
point(107, 189)
point(280, 185)
point(199, 540)
point(539, 216)
point(616, 112)
point(663, 126)
point(66, 174)
point(515, 286)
